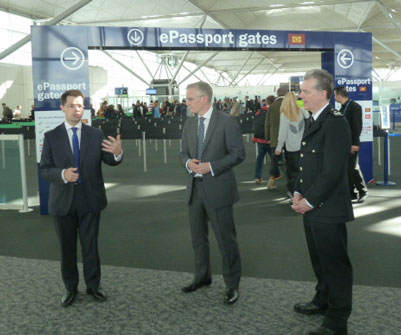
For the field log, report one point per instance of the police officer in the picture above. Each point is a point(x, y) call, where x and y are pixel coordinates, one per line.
point(322, 196)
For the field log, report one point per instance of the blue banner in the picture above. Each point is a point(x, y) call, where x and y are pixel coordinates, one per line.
point(395, 112)
point(219, 39)
point(59, 63)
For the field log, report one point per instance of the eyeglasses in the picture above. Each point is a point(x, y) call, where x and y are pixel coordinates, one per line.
point(192, 99)
point(73, 106)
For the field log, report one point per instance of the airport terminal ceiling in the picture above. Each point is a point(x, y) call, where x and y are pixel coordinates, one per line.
point(382, 18)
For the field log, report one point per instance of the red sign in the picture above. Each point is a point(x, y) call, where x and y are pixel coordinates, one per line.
point(296, 39)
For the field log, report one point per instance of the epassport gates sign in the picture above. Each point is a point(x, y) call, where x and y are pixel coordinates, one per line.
point(60, 62)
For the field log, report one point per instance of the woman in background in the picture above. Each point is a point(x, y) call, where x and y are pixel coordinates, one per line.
point(259, 138)
point(292, 125)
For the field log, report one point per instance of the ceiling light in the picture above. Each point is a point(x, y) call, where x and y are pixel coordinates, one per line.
point(393, 10)
point(277, 5)
point(307, 3)
point(389, 14)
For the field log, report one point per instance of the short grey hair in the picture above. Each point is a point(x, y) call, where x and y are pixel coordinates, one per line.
point(324, 80)
point(203, 88)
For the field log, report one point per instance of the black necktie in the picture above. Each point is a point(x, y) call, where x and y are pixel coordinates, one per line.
point(311, 121)
point(201, 137)
point(75, 146)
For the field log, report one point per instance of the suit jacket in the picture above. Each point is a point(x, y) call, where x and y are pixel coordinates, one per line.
point(57, 155)
point(272, 122)
point(353, 113)
point(323, 177)
point(224, 149)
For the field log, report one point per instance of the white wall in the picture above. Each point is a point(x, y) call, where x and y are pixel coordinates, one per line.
point(16, 87)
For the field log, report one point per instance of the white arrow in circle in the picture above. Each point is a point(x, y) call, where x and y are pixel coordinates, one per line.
point(75, 58)
point(135, 36)
point(344, 59)
point(72, 58)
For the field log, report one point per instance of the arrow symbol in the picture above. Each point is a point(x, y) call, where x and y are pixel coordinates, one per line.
point(75, 58)
point(136, 37)
point(344, 59)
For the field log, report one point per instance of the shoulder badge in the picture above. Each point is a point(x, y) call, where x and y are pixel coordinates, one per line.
point(335, 112)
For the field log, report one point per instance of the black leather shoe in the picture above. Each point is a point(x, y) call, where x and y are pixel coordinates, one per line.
point(362, 197)
point(97, 294)
point(327, 331)
point(195, 285)
point(309, 308)
point(68, 298)
point(231, 296)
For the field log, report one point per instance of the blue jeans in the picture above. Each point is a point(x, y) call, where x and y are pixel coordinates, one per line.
point(263, 149)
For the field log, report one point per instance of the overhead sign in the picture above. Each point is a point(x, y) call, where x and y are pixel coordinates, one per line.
point(60, 59)
point(59, 63)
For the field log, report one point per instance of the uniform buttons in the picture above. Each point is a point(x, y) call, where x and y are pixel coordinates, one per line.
point(302, 155)
point(303, 143)
point(300, 168)
point(301, 181)
point(313, 151)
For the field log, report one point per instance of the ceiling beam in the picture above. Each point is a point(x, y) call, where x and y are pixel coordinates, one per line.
point(21, 12)
point(243, 64)
point(144, 64)
point(395, 53)
point(181, 64)
point(212, 13)
point(52, 22)
point(125, 67)
point(199, 66)
point(388, 15)
point(250, 71)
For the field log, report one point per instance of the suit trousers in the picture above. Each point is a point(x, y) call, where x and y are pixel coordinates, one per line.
point(327, 244)
point(222, 222)
point(355, 177)
point(82, 222)
point(292, 168)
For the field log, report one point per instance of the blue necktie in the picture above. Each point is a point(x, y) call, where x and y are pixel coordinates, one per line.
point(75, 146)
point(201, 137)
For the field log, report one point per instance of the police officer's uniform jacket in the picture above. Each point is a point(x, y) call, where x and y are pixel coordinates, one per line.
point(323, 164)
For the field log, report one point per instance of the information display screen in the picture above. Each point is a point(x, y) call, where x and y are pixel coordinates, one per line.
point(121, 91)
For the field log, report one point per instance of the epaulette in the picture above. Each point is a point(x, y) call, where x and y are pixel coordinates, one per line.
point(335, 112)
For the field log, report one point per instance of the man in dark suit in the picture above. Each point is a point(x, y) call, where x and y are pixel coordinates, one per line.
point(322, 196)
point(211, 146)
point(353, 113)
point(71, 161)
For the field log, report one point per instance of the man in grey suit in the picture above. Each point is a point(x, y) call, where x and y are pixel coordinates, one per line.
point(71, 161)
point(211, 146)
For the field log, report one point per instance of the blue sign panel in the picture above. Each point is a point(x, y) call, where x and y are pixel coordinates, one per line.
point(395, 111)
point(59, 63)
point(190, 38)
